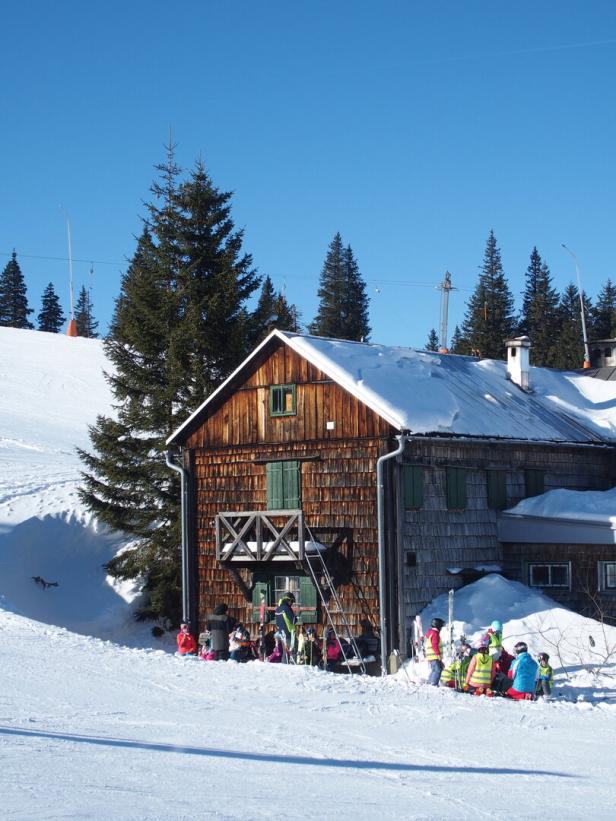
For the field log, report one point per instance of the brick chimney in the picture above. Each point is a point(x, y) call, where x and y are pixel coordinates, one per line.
point(518, 361)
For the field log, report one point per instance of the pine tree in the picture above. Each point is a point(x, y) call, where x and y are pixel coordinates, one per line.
point(14, 309)
point(539, 319)
point(489, 322)
point(568, 349)
point(179, 327)
point(459, 345)
point(272, 311)
point(603, 318)
point(432, 343)
point(86, 324)
point(51, 317)
point(343, 302)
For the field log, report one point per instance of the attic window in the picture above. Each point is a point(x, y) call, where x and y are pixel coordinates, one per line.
point(283, 400)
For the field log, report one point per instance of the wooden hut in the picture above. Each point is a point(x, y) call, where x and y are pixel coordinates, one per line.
point(368, 479)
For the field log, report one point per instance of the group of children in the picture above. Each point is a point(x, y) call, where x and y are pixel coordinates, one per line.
point(488, 669)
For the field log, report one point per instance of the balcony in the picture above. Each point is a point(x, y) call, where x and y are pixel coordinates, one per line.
point(258, 536)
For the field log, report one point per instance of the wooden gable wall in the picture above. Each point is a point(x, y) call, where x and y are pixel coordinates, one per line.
point(229, 451)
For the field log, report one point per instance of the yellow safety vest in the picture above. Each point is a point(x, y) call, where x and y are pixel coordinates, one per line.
point(482, 674)
point(429, 650)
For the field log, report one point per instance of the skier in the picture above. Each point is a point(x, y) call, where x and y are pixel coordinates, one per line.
point(187, 646)
point(285, 622)
point(455, 674)
point(241, 646)
point(494, 637)
point(433, 648)
point(331, 649)
point(220, 624)
point(523, 672)
point(545, 682)
point(481, 670)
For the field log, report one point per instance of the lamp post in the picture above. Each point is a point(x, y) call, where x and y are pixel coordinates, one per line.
point(584, 334)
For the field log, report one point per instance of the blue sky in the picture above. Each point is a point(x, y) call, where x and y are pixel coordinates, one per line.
point(412, 128)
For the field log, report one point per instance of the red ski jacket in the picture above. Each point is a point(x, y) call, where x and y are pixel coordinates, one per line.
point(186, 643)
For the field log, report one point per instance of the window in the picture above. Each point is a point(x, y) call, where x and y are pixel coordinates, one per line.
point(283, 400)
point(607, 576)
point(497, 489)
point(412, 478)
point(557, 574)
point(283, 485)
point(456, 488)
point(534, 482)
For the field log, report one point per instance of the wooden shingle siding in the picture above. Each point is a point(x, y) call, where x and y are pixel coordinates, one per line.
point(444, 539)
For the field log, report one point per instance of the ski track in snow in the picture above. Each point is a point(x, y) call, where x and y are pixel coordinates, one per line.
point(92, 729)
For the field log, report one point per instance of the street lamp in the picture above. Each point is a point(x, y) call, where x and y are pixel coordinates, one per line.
point(584, 335)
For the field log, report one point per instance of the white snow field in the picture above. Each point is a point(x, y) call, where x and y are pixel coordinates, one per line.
point(99, 720)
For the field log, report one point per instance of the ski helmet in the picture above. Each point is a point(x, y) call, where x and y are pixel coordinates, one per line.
point(310, 631)
point(544, 657)
point(438, 624)
point(496, 626)
point(521, 647)
point(482, 646)
point(288, 595)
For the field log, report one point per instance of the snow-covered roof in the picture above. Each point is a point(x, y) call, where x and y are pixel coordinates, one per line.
point(431, 393)
point(562, 516)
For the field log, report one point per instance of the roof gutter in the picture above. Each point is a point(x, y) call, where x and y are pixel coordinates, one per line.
point(186, 603)
point(380, 506)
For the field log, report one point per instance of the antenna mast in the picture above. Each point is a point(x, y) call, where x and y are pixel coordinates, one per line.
point(444, 287)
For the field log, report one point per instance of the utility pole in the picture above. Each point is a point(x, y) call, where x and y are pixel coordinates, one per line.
point(72, 325)
point(584, 334)
point(444, 287)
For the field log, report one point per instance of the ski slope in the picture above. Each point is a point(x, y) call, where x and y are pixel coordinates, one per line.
point(99, 720)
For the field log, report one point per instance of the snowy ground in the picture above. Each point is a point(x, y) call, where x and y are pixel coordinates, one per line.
point(97, 729)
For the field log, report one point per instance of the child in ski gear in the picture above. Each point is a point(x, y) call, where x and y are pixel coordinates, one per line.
point(311, 651)
point(240, 646)
point(455, 674)
point(494, 637)
point(285, 621)
point(481, 670)
point(204, 644)
point(433, 648)
point(523, 672)
point(220, 624)
point(276, 656)
point(331, 650)
point(187, 646)
point(545, 680)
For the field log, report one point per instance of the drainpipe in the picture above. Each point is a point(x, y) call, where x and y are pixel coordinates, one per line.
point(380, 507)
point(186, 614)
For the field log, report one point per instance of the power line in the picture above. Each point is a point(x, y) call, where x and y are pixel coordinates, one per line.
point(63, 259)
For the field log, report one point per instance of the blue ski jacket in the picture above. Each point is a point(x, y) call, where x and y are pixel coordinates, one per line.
point(524, 673)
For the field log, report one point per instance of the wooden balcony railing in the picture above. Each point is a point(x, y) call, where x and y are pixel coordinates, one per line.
point(260, 536)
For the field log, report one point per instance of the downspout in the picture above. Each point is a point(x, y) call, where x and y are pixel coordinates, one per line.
point(380, 507)
point(183, 484)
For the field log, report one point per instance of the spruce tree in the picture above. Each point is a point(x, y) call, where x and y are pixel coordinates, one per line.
point(14, 309)
point(459, 345)
point(179, 327)
point(568, 349)
point(343, 302)
point(540, 318)
point(273, 311)
point(86, 324)
point(488, 321)
point(603, 318)
point(432, 343)
point(51, 318)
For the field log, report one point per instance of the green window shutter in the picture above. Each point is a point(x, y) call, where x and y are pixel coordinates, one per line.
point(413, 480)
point(308, 598)
point(497, 489)
point(274, 485)
point(534, 482)
point(291, 485)
point(456, 488)
point(261, 588)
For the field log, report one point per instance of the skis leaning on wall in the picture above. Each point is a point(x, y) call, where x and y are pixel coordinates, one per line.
point(418, 639)
point(450, 643)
